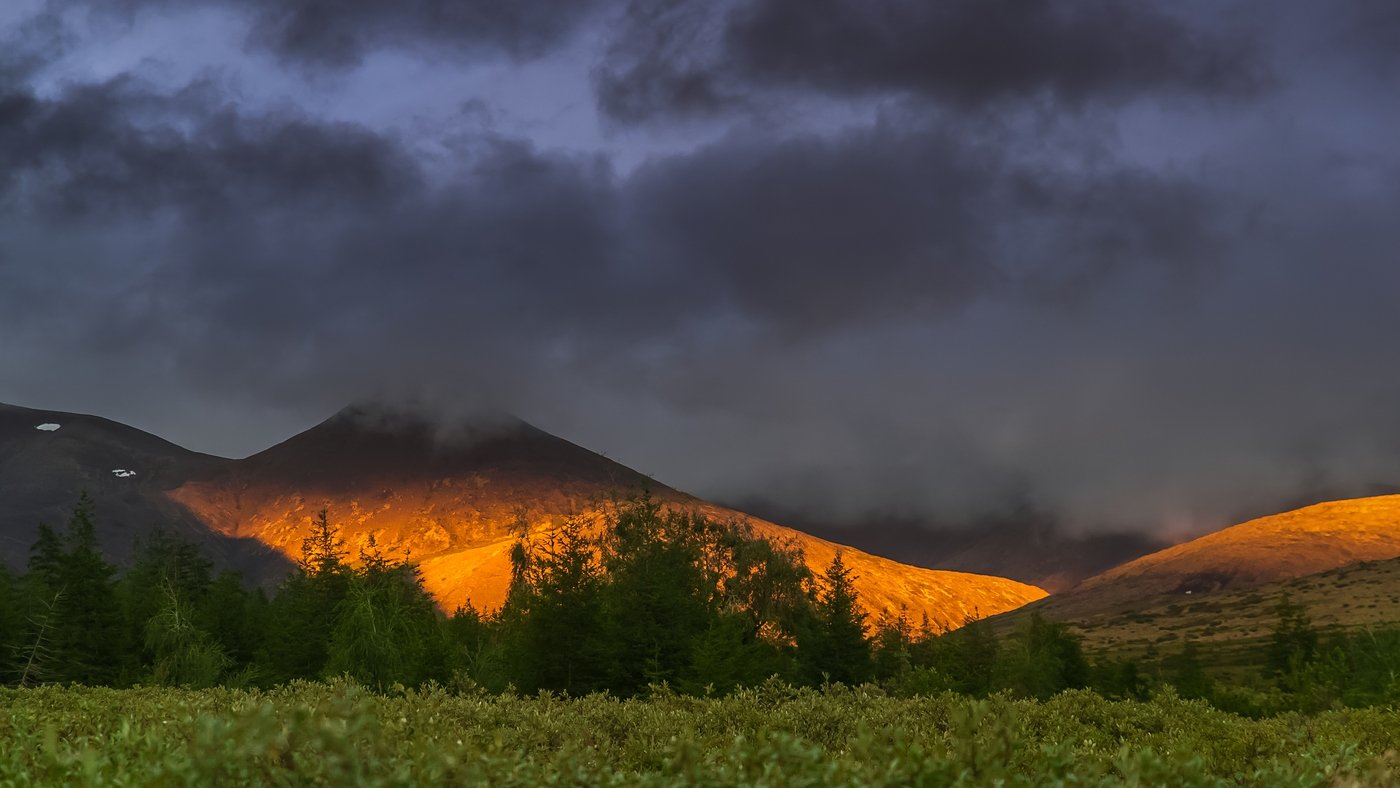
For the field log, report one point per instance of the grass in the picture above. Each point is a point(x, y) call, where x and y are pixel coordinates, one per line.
point(1234, 622)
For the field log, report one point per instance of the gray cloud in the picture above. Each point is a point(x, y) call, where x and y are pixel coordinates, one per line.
point(697, 58)
point(1142, 311)
point(340, 33)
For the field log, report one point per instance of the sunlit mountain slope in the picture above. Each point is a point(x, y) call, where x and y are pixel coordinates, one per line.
point(449, 498)
point(1261, 554)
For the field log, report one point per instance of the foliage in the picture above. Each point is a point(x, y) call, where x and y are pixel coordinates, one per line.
point(774, 734)
point(648, 596)
point(74, 618)
point(841, 651)
point(639, 598)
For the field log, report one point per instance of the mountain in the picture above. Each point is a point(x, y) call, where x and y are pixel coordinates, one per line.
point(47, 458)
point(1292, 544)
point(1241, 559)
point(446, 496)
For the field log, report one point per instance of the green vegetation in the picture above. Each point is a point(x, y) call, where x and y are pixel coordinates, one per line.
point(653, 596)
point(661, 647)
point(340, 734)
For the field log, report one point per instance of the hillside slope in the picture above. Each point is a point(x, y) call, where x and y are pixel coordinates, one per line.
point(1356, 596)
point(48, 458)
point(1231, 564)
point(1292, 544)
point(449, 498)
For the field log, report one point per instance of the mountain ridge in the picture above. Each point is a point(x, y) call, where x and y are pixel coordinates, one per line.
point(447, 495)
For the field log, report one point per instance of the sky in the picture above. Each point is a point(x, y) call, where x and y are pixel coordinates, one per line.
point(1135, 263)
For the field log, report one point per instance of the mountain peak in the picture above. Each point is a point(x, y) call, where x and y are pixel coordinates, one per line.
point(444, 423)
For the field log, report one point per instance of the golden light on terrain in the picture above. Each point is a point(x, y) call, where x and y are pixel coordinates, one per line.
point(1222, 585)
point(462, 542)
point(1292, 544)
point(451, 507)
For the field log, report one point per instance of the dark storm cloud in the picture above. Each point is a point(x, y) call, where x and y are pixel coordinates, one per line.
point(333, 234)
point(660, 59)
point(692, 58)
point(119, 147)
point(809, 235)
point(1141, 308)
point(1370, 31)
point(339, 33)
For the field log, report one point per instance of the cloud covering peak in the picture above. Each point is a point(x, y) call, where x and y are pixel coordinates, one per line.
point(1131, 261)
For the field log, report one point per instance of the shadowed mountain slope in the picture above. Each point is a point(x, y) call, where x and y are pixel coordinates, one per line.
point(49, 458)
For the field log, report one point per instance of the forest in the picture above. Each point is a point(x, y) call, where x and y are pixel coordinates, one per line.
point(650, 597)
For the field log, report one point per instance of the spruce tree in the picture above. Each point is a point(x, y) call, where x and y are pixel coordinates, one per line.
point(552, 616)
point(660, 597)
point(974, 653)
point(301, 617)
point(1188, 675)
point(233, 617)
point(838, 648)
point(74, 630)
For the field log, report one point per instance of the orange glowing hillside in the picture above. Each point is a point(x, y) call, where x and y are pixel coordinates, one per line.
point(1250, 555)
point(449, 498)
point(1293, 544)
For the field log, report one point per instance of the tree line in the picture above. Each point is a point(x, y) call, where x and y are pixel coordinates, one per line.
point(646, 595)
point(651, 595)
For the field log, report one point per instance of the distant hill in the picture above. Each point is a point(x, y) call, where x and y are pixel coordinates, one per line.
point(1232, 574)
point(446, 496)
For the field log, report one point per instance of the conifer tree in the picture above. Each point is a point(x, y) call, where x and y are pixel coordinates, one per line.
point(660, 597)
point(1044, 658)
point(10, 630)
point(552, 615)
point(73, 608)
point(476, 649)
point(45, 557)
point(838, 648)
point(183, 655)
point(892, 646)
point(36, 653)
point(974, 658)
point(234, 617)
point(302, 615)
point(161, 565)
point(1294, 642)
point(1188, 675)
point(387, 629)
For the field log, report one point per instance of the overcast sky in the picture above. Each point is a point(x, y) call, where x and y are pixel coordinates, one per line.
point(1138, 263)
